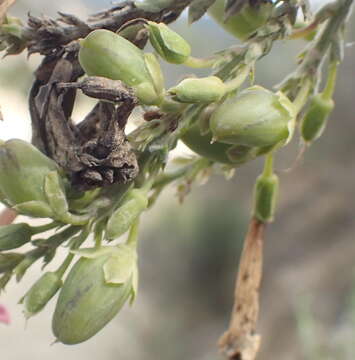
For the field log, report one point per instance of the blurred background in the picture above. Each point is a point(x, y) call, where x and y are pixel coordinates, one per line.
point(189, 253)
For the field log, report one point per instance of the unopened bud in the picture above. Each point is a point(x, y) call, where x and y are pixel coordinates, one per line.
point(88, 300)
point(256, 117)
point(199, 90)
point(133, 204)
point(315, 118)
point(168, 44)
point(41, 292)
point(104, 53)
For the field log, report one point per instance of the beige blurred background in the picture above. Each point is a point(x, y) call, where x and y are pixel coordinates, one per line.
point(189, 253)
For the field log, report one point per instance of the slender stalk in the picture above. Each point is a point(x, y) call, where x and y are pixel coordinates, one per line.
point(200, 63)
point(302, 96)
point(331, 81)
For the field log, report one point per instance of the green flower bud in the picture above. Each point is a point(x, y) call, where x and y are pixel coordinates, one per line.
point(104, 53)
point(265, 196)
point(168, 44)
point(9, 261)
point(256, 118)
point(132, 205)
point(315, 119)
point(34, 209)
point(199, 90)
point(22, 171)
point(243, 24)
point(96, 288)
point(14, 235)
point(41, 292)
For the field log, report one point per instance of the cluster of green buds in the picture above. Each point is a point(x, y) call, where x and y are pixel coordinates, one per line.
point(211, 115)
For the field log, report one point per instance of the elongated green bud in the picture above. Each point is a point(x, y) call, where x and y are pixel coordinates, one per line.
point(322, 104)
point(9, 261)
point(315, 119)
point(41, 292)
point(22, 171)
point(95, 290)
point(265, 193)
point(133, 204)
point(256, 118)
point(199, 90)
point(104, 53)
point(14, 235)
point(168, 44)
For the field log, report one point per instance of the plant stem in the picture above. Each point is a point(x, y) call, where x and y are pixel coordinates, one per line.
point(200, 63)
point(330, 85)
point(42, 228)
point(133, 234)
point(239, 79)
point(268, 165)
point(62, 268)
point(302, 96)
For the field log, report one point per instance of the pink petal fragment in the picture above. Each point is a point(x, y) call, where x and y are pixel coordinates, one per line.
point(4, 315)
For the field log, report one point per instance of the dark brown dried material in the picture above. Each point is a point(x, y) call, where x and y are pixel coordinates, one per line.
point(44, 35)
point(95, 152)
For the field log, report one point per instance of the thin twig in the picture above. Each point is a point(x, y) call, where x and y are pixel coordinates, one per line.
point(240, 341)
